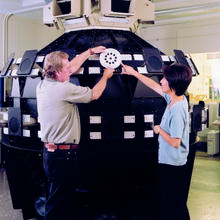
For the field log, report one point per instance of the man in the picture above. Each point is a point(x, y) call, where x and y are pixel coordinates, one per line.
point(60, 126)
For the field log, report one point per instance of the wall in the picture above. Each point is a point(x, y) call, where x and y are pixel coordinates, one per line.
point(192, 35)
point(26, 34)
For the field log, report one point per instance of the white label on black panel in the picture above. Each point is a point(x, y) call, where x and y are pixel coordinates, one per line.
point(95, 119)
point(149, 134)
point(191, 66)
point(5, 116)
point(148, 118)
point(26, 118)
point(95, 135)
point(26, 133)
point(14, 73)
point(5, 130)
point(126, 57)
point(34, 72)
point(129, 134)
point(172, 58)
point(138, 57)
point(18, 61)
point(39, 134)
point(165, 58)
point(94, 70)
point(129, 119)
point(40, 59)
point(142, 70)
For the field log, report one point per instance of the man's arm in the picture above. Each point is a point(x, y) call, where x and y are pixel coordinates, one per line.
point(77, 61)
point(144, 79)
point(98, 89)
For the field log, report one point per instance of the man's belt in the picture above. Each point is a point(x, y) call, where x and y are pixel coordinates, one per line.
point(52, 146)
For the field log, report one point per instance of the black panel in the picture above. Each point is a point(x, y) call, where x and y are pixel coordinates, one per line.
point(197, 118)
point(14, 121)
point(27, 62)
point(153, 60)
point(115, 88)
point(144, 91)
point(8, 64)
point(112, 125)
point(120, 6)
point(219, 109)
point(180, 57)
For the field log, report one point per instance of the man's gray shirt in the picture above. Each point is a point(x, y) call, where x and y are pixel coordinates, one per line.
point(57, 112)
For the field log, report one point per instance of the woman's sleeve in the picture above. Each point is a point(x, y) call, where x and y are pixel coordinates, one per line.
point(177, 123)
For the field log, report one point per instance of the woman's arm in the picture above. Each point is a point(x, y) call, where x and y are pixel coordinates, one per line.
point(174, 142)
point(77, 61)
point(144, 79)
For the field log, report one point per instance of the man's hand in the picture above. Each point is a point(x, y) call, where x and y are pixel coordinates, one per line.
point(99, 49)
point(108, 73)
point(127, 70)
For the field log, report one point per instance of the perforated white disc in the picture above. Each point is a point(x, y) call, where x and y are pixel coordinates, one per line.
point(111, 58)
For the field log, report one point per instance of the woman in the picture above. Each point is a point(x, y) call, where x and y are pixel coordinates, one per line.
point(173, 139)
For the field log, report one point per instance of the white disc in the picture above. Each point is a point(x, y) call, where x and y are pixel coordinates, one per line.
point(111, 58)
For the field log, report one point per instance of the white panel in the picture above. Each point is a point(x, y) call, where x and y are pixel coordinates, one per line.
point(34, 72)
point(26, 133)
point(95, 119)
point(39, 134)
point(26, 118)
point(5, 116)
point(149, 134)
point(172, 58)
point(165, 58)
point(95, 135)
point(149, 118)
point(138, 57)
point(113, 20)
point(5, 130)
point(18, 61)
point(14, 73)
point(126, 57)
point(40, 59)
point(129, 119)
point(129, 134)
point(142, 70)
point(191, 66)
point(94, 70)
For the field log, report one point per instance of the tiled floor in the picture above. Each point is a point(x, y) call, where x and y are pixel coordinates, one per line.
point(6, 210)
point(204, 196)
point(203, 201)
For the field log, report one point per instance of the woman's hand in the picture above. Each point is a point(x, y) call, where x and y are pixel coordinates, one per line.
point(127, 69)
point(157, 129)
point(99, 49)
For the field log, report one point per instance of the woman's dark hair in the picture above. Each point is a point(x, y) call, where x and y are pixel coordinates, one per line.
point(179, 77)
